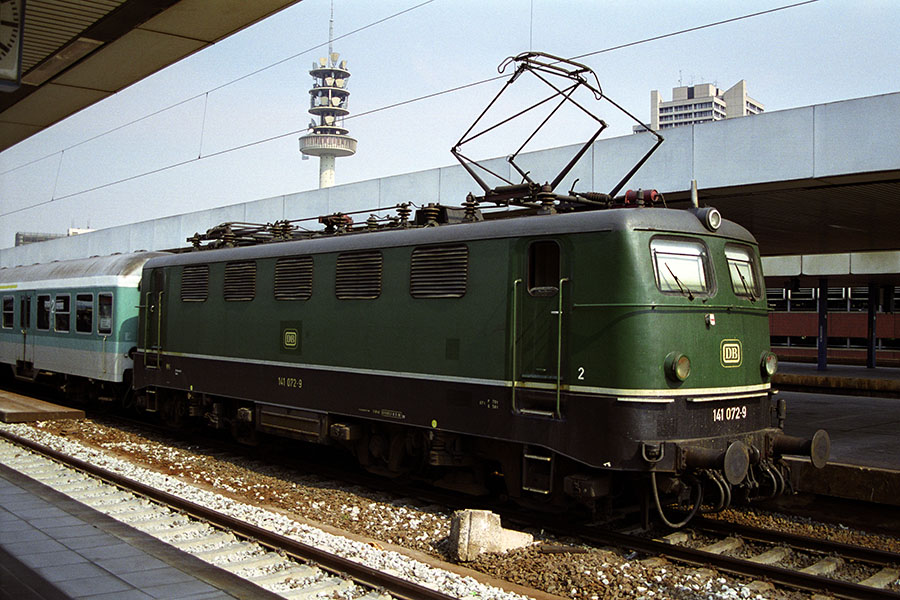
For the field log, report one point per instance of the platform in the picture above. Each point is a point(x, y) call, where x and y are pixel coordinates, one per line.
point(838, 379)
point(55, 548)
point(15, 408)
point(865, 455)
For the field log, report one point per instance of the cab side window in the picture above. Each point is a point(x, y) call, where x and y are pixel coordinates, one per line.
point(742, 267)
point(681, 266)
point(543, 268)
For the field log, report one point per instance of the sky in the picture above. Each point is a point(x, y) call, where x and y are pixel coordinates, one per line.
point(221, 126)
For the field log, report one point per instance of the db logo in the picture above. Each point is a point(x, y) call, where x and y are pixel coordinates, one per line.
point(289, 339)
point(731, 353)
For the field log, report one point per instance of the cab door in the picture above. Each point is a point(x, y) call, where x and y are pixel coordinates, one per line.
point(154, 303)
point(540, 298)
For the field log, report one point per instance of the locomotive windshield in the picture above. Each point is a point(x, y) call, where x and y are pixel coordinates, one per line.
point(680, 266)
point(743, 271)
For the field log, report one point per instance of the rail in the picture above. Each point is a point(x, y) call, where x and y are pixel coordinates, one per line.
point(739, 566)
point(368, 576)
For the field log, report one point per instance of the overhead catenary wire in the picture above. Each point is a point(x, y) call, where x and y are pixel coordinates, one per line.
point(222, 86)
point(357, 115)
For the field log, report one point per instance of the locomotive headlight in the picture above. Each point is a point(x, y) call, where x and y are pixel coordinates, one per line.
point(710, 217)
point(677, 366)
point(769, 364)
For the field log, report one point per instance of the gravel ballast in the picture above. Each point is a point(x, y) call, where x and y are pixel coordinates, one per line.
point(395, 533)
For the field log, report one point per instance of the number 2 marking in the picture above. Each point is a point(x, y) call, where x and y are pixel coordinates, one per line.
point(581, 373)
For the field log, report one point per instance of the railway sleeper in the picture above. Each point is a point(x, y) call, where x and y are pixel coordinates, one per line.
point(882, 579)
point(729, 544)
point(270, 559)
point(181, 530)
point(825, 566)
point(332, 586)
point(160, 524)
point(771, 556)
point(222, 554)
point(211, 540)
point(294, 571)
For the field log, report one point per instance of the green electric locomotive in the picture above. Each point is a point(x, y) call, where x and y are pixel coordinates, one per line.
point(561, 355)
point(578, 347)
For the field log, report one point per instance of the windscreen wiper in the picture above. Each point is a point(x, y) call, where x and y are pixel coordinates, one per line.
point(752, 296)
point(684, 289)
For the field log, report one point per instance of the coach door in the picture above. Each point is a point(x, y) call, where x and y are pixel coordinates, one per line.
point(26, 355)
point(540, 295)
point(154, 300)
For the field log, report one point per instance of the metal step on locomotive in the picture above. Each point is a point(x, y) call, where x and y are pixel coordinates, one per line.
point(562, 349)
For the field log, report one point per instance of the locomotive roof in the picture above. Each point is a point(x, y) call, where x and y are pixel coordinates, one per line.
point(116, 266)
point(627, 219)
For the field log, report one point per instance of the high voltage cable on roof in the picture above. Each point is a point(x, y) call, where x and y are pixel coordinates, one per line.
point(361, 114)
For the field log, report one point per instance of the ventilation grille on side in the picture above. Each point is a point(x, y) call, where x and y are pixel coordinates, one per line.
point(439, 272)
point(293, 278)
point(358, 275)
point(240, 281)
point(195, 283)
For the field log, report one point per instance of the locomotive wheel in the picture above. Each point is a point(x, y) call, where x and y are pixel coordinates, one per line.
point(244, 433)
point(173, 411)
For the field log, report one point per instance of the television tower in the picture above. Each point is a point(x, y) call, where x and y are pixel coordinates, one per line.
point(327, 137)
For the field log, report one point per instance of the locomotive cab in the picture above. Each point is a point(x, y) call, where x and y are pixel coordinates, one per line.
point(666, 345)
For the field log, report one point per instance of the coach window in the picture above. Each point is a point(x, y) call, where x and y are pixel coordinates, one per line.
point(104, 314)
point(84, 313)
point(62, 309)
point(43, 313)
point(9, 312)
point(543, 268)
point(681, 266)
point(743, 270)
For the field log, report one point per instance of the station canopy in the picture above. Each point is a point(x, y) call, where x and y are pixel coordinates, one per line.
point(77, 53)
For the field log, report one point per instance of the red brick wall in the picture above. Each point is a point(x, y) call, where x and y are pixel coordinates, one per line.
point(840, 324)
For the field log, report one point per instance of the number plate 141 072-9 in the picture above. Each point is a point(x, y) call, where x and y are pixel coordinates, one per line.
point(729, 413)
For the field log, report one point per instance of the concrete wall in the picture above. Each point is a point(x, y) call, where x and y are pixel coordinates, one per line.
point(842, 138)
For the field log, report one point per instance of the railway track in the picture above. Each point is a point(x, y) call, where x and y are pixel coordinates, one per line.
point(795, 561)
point(739, 545)
point(277, 563)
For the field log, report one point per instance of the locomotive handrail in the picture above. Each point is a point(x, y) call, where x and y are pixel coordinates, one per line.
point(147, 331)
point(146, 326)
point(159, 312)
point(514, 338)
point(559, 330)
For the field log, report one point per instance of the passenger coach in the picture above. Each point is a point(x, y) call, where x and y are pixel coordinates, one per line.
point(73, 321)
